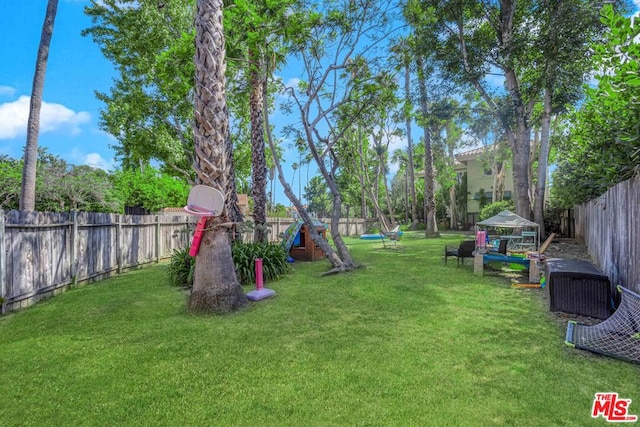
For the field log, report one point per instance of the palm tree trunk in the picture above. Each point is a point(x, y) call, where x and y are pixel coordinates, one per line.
point(429, 182)
point(258, 162)
point(28, 190)
point(411, 166)
point(215, 287)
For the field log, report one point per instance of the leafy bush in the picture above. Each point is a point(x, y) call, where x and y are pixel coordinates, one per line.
point(274, 263)
point(496, 207)
point(181, 268)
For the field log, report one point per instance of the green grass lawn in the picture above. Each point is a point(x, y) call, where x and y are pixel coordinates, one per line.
point(405, 341)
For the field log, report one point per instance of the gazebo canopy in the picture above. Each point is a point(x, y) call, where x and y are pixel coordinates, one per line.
point(507, 219)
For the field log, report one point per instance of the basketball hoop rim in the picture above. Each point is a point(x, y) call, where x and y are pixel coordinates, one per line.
point(195, 210)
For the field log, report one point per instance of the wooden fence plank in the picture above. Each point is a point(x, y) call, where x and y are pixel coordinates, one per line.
point(3, 263)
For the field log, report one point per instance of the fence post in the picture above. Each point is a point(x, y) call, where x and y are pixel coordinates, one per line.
point(348, 230)
point(157, 239)
point(119, 242)
point(74, 248)
point(3, 265)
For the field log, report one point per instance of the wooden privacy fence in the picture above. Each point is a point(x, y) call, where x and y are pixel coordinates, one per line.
point(42, 253)
point(277, 226)
point(610, 227)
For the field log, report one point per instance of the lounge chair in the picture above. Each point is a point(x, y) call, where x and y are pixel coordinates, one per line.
point(465, 250)
point(392, 235)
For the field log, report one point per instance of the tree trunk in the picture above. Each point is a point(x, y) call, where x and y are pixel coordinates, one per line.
point(406, 197)
point(216, 288)
point(332, 256)
point(429, 182)
point(258, 162)
point(498, 180)
point(519, 138)
point(363, 200)
point(212, 265)
point(453, 208)
point(411, 166)
point(392, 217)
point(453, 202)
point(520, 146)
point(533, 156)
point(28, 191)
point(543, 159)
point(370, 186)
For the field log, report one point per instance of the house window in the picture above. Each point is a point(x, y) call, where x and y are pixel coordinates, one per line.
point(483, 196)
point(487, 172)
point(506, 195)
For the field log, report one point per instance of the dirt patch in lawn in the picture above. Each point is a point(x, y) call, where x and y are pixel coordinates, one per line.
point(567, 249)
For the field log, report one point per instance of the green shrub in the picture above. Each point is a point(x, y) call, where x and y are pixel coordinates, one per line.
point(274, 263)
point(496, 207)
point(181, 268)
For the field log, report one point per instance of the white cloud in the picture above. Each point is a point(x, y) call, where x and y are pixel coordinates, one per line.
point(53, 117)
point(7, 91)
point(292, 82)
point(97, 161)
point(92, 159)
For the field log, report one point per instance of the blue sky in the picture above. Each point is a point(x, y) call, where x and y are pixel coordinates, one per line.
point(76, 69)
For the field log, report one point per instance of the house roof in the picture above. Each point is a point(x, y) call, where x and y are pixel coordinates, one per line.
point(473, 153)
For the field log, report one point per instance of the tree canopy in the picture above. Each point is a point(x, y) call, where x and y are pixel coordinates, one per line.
point(602, 144)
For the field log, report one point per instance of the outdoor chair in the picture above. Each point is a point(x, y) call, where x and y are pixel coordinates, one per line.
point(527, 241)
point(465, 250)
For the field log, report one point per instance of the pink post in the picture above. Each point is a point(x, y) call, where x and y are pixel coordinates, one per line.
point(481, 237)
point(259, 273)
point(259, 292)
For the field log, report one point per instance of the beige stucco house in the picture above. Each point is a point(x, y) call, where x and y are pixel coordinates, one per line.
point(480, 180)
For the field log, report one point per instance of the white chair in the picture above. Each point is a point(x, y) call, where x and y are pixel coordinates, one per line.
point(527, 241)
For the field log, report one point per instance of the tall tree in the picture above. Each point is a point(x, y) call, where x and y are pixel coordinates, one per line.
point(563, 51)
point(471, 37)
point(28, 193)
point(477, 38)
point(400, 157)
point(262, 30)
point(403, 51)
point(318, 197)
point(341, 82)
point(448, 117)
point(602, 146)
point(149, 108)
point(431, 221)
point(216, 288)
